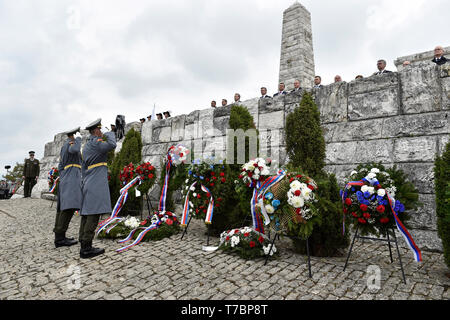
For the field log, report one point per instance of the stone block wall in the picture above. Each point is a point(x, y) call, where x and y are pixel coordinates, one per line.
point(400, 118)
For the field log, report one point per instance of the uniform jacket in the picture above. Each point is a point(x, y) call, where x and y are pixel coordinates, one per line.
point(31, 168)
point(69, 189)
point(95, 188)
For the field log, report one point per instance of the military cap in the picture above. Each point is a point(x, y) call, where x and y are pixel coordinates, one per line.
point(96, 124)
point(31, 152)
point(72, 132)
point(159, 114)
point(142, 119)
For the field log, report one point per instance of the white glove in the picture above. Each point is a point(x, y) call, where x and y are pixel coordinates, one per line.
point(77, 135)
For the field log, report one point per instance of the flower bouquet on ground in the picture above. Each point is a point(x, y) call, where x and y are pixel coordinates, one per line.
point(121, 229)
point(53, 180)
point(290, 205)
point(247, 243)
point(166, 224)
point(374, 194)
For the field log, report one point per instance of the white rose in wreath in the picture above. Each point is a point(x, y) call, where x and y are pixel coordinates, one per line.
point(297, 202)
point(270, 209)
point(381, 192)
point(371, 175)
point(295, 185)
point(375, 170)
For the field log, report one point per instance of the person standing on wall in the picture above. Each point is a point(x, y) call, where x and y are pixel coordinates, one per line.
point(69, 188)
point(30, 174)
point(95, 189)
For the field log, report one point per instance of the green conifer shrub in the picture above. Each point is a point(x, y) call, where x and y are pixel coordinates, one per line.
point(305, 146)
point(131, 152)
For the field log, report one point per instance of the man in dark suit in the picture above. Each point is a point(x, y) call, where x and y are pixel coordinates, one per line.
point(264, 93)
point(280, 90)
point(381, 65)
point(297, 89)
point(317, 82)
point(439, 58)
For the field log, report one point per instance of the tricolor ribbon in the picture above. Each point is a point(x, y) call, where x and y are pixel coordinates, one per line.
point(162, 199)
point(257, 223)
point(269, 182)
point(185, 215)
point(119, 204)
point(210, 210)
point(54, 185)
point(401, 228)
point(139, 238)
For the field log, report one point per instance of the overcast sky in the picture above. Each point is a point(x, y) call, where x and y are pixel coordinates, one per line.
point(64, 63)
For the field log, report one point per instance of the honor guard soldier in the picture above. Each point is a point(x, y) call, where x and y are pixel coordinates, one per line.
point(30, 174)
point(95, 189)
point(69, 189)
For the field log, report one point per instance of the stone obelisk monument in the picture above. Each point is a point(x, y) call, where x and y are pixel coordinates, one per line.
point(297, 55)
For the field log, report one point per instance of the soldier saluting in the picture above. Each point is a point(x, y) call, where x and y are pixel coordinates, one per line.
point(30, 174)
point(95, 189)
point(69, 190)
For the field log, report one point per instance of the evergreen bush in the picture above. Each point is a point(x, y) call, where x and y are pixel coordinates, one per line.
point(130, 153)
point(442, 190)
point(305, 146)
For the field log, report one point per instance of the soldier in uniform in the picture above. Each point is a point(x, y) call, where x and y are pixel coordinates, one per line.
point(30, 174)
point(69, 190)
point(95, 189)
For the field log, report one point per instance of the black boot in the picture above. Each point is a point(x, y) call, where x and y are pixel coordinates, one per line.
point(87, 251)
point(62, 241)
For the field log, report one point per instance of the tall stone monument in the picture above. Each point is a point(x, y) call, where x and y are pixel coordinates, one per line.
point(297, 55)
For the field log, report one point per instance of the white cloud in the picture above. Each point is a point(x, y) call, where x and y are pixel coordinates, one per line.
point(65, 63)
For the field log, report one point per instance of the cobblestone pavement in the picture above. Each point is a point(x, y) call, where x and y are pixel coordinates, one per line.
point(31, 268)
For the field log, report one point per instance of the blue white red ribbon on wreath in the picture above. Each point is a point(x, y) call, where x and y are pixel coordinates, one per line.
point(210, 210)
point(257, 222)
point(401, 228)
point(162, 199)
point(185, 215)
point(119, 204)
point(269, 182)
point(54, 185)
point(139, 238)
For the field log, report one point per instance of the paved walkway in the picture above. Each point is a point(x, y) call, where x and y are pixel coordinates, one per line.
point(31, 268)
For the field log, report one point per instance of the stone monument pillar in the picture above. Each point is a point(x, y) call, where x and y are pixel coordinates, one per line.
point(297, 56)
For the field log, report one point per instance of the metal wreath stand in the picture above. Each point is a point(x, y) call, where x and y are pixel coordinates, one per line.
point(387, 239)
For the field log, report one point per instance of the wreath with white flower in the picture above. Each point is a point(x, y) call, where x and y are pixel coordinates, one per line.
point(371, 195)
point(247, 243)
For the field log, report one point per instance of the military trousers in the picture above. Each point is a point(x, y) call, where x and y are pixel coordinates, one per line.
point(28, 186)
point(62, 221)
point(88, 225)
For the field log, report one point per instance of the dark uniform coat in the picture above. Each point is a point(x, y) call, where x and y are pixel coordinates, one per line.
point(95, 188)
point(31, 168)
point(69, 189)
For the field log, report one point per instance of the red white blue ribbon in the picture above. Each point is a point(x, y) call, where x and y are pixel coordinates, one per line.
point(162, 199)
point(185, 215)
point(257, 223)
point(139, 238)
point(119, 204)
point(210, 210)
point(269, 182)
point(54, 185)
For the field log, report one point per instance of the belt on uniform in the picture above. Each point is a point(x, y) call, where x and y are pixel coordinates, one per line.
point(72, 165)
point(97, 165)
